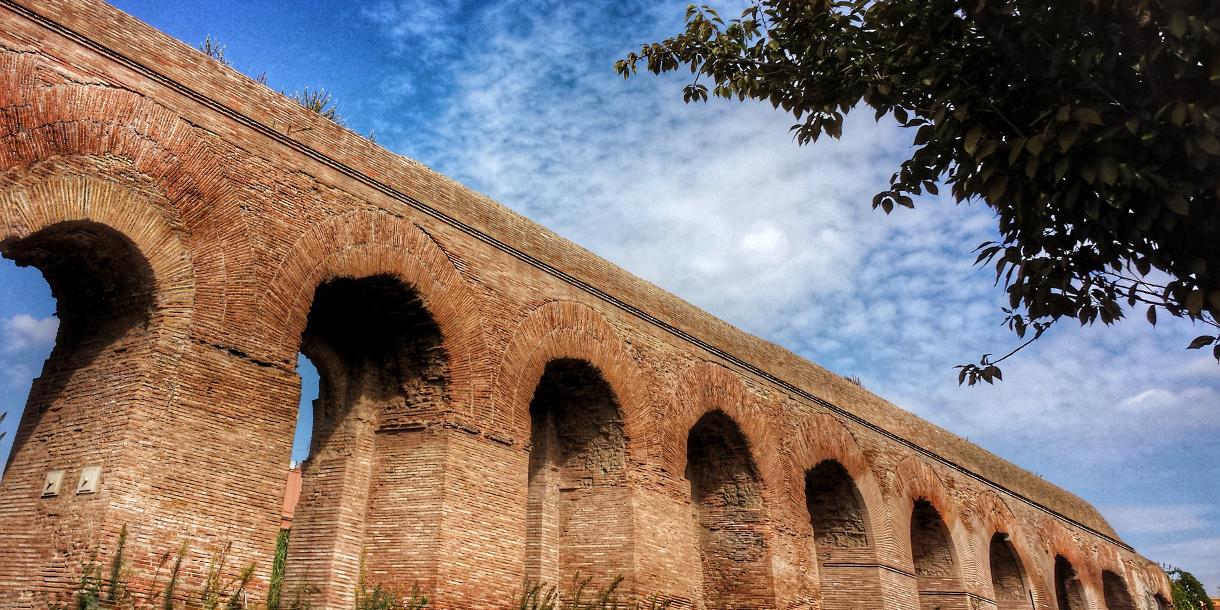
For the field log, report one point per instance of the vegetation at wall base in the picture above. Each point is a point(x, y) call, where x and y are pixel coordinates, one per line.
point(110, 591)
point(1091, 128)
point(277, 569)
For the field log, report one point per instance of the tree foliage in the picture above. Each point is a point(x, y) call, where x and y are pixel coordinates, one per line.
point(1188, 592)
point(1091, 128)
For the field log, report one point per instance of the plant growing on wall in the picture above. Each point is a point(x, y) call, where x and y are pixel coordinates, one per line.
point(278, 564)
point(315, 100)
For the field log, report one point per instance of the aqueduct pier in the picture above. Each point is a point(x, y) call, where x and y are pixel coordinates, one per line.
point(497, 403)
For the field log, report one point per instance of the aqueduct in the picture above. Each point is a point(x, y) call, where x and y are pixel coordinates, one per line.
point(496, 403)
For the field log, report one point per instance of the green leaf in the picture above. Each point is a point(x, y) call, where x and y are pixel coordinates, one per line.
point(1194, 302)
point(1034, 145)
point(1067, 138)
point(1178, 116)
point(1209, 144)
point(1177, 23)
point(972, 139)
point(1087, 116)
point(1201, 342)
point(996, 188)
point(1107, 170)
point(1177, 204)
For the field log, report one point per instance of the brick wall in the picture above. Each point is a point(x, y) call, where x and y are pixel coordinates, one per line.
point(497, 403)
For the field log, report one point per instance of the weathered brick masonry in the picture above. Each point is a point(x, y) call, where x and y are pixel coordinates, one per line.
point(496, 402)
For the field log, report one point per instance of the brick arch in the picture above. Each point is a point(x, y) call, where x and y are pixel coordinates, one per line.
point(995, 516)
point(1057, 541)
point(1155, 582)
point(368, 243)
point(60, 119)
point(704, 388)
point(1117, 592)
point(565, 329)
point(28, 208)
point(993, 513)
point(820, 438)
point(916, 480)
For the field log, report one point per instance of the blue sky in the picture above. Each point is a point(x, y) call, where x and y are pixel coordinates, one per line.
point(716, 204)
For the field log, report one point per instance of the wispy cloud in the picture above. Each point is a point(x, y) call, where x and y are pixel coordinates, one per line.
point(23, 331)
point(1155, 519)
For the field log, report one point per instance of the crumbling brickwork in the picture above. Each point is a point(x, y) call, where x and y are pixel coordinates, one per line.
point(496, 402)
point(1007, 578)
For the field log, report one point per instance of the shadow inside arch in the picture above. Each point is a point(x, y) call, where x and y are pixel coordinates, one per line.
point(104, 290)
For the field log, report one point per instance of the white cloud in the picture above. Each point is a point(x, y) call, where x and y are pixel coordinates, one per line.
point(415, 26)
point(23, 331)
point(1158, 519)
point(16, 376)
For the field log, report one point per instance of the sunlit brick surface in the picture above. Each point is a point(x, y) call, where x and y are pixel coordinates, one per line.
point(496, 402)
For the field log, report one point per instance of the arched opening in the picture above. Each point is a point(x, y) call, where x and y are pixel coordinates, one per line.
point(1007, 576)
point(1115, 591)
point(103, 289)
point(578, 520)
point(1160, 602)
point(382, 380)
point(726, 494)
point(76, 414)
point(936, 570)
point(1069, 591)
point(842, 545)
point(103, 286)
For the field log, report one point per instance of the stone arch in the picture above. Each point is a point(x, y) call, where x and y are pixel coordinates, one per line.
point(1008, 553)
point(568, 330)
point(1071, 570)
point(914, 480)
point(62, 121)
point(29, 208)
point(1156, 586)
point(1115, 592)
point(579, 500)
point(823, 442)
point(125, 295)
point(731, 517)
point(365, 244)
point(993, 512)
point(704, 388)
point(1009, 582)
point(383, 384)
point(931, 516)
point(1069, 587)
